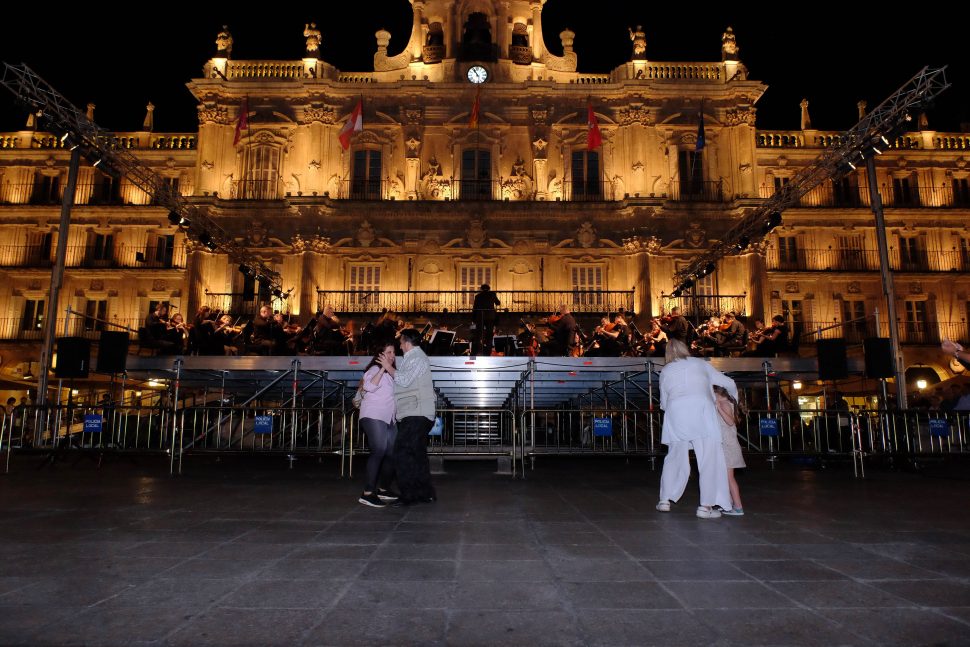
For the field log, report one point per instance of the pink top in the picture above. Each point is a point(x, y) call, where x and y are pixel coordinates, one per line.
point(378, 402)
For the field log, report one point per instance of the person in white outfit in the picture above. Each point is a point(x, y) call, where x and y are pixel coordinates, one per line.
point(691, 422)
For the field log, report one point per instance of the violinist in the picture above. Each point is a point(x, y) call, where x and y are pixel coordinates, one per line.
point(729, 335)
point(565, 334)
point(177, 331)
point(156, 329)
point(527, 339)
point(264, 335)
point(605, 341)
point(328, 338)
point(227, 335)
point(286, 334)
point(675, 325)
point(656, 340)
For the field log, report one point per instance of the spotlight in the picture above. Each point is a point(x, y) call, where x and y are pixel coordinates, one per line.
point(174, 218)
point(278, 293)
point(709, 268)
point(206, 239)
point(98, 162)
point(686, 285)
point(797, 385)
point(774, 219)
point(244, 269)
point(676, 293)
point(743, 243)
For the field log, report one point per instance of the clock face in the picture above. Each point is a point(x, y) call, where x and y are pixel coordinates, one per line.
point(477, 74)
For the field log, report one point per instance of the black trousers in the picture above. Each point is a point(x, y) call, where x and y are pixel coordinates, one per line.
point(411, 458)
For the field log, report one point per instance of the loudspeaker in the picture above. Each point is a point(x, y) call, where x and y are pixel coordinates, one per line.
point(73, 357)
point(112, 352)
point(832, 361)
point(879, 357)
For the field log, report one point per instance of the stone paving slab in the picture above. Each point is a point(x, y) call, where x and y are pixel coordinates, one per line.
point(249, 553)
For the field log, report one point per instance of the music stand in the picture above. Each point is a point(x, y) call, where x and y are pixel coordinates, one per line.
point(441, 341)
point(460, 348)
point(504, 344)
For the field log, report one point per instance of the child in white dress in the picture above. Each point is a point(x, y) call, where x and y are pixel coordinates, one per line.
point(727, 409)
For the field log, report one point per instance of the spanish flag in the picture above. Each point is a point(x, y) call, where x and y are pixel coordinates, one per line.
point(354, 124)
point(594, 139)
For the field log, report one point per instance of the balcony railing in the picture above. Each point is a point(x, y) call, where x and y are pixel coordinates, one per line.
point(94, 256)
point(867, 260)
point(129, 140)
point(910, 333)
point(704, 306)
point(255, 190)
point(514, 301)
point(708, 191)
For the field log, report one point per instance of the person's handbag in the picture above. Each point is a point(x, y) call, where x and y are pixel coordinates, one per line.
point(359, 395)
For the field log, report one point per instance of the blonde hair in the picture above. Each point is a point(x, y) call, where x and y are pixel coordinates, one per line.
point(676, 350)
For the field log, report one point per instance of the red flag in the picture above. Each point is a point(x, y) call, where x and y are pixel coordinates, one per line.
point(473, 121)
point(355, 124)
point(593, 137)
point(243, 122)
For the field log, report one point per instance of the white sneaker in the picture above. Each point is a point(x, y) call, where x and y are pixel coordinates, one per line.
point(708, 513)
point(663, 506)
point(734, 512)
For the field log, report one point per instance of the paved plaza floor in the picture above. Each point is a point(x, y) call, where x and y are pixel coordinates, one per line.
point(255, 554)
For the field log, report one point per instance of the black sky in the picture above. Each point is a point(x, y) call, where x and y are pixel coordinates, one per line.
point(122, 60)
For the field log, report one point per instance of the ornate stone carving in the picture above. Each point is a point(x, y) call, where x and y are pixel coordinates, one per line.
point(413, 116)
point(158, 285)
point(729, 46)
point(312, 35)
point(586, 234)
point(916, 287)
point(639, 38)
point(319, 243)
point(740, 117)
point(854, 287)
point(435, 186)
point(207, 165)
point(224, 43)
point(540, 115)
point(298, 244)
point(314, 165)
point(96, 285)
point(365, 234)
point(192, 245)
point(635, 114)
point(791, 287)
point(413, 144)
point(476, 235)
point(430, 246)
point(256, 234)
point(213, 115)
point(321, 114)
point(519, 185)
point(695, 236)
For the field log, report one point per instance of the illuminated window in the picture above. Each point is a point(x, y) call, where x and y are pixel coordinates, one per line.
point(365, 181)
point(95, 312)
point(587, 285)
point(476, 174)
point(33, 315)
point(470, 278)
point(586, 176)
point(364, 283)
point(261, 173)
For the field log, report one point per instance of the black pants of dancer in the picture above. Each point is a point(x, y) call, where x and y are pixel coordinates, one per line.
point(411, 458)
point(380, 463)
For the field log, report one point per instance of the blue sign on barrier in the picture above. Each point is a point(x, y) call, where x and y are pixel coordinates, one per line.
point(438, 427)
point(264, 425)
point(93, 423)
point(940, 427)
point(602, 426)
point(768, 426)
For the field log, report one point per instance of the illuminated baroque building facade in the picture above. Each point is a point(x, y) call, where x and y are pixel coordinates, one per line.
point(424, 206)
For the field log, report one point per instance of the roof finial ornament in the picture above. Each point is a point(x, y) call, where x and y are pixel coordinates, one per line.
point(224, 43)
point(729, 45)
point(639, 39)
point(312, 35)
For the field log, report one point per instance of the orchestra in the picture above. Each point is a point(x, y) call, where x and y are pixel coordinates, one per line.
point(559, 334)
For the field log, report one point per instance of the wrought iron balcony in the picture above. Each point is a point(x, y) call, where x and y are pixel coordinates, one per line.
point(513, 301)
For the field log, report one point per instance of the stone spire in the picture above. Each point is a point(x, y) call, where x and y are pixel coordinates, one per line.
point(861, 105)
point(806, 120)
point(90, 112)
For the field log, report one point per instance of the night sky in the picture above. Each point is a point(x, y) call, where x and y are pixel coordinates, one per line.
point(825, 55)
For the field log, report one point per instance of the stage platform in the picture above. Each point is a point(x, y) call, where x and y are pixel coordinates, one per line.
point(485, 382)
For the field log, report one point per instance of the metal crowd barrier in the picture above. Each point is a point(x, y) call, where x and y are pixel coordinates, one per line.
point(505, 433)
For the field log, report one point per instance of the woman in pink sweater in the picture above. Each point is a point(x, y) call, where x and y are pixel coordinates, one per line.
point(377, 421)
